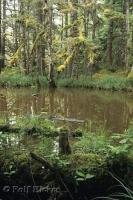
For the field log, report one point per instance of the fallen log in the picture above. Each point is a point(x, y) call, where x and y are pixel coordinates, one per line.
point(56, 118)
point(8, 128)
point(36, 131)
point(60, 118)
point(29, 131)
point(43, 162)
point(57, 174)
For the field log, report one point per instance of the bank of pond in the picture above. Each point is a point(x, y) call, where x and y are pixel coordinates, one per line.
point(39, 161)
point(102, 80)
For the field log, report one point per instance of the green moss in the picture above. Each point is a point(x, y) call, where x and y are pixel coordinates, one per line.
point(86, 161)
point(36, 123)
point(130, 75)
point(92, 156)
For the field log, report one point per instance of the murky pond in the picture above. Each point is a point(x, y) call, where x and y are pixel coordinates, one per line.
point(111, 111)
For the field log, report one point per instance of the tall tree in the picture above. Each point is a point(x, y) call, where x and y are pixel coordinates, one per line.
point(0, 35)
point(127, 34)
point(4, 33)
point(49, 25)
point(65, 35)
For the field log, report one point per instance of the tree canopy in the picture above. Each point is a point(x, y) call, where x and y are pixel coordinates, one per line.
point(66, 37)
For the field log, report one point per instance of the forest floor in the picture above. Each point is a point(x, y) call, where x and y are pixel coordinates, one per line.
point(93, 166)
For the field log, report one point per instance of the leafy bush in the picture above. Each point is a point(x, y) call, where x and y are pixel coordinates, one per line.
point(94, 154)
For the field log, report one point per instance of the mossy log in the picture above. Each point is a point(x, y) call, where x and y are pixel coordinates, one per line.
point(57, 174)
point(35, 130)
point(8, 128)
point(56, 118)
point(45, 163)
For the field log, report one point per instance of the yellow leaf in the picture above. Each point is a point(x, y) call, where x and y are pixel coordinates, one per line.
point(61, 68)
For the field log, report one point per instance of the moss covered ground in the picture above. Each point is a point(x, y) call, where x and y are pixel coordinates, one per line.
point(88, 171)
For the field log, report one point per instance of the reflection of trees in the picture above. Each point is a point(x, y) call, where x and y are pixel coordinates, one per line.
point(51, 102)
point(4, 108)
point(112, 110)
point(22, 142)
point(11, 140)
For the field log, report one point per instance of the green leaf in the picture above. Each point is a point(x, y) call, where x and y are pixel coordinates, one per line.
point(78, 173)
point(89, 176)
point(80, 179)
point(12, 172)
point(123, 141)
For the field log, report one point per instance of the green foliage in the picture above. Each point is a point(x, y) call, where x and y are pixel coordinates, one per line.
point(117, 144)
point(94, 153)
point(105, 82)
point(45, 148)
point(11, 77)
point(130, 75)
point(43, 82)
point(80, 176)
point(69, 82)
point(113, 83)
point(35, 122)
point(11, 159)
point(80, 39)
point(14, 78)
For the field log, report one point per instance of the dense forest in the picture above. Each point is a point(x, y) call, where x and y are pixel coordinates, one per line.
point(66, 99)
point(66, 38)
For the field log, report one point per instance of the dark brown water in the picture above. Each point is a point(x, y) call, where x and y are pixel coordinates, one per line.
point(111, 111)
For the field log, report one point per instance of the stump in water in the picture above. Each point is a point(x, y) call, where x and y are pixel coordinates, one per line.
point(64, 146)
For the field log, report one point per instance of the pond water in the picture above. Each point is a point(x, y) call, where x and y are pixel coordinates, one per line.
point(112, 111)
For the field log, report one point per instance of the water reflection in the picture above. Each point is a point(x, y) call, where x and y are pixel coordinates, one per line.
point(113, 111)
point(22, 142)
point(10, 140)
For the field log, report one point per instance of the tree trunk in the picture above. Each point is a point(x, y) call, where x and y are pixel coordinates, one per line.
point(2, 33)
point(110, 45)
point(39, 50)
point(4, 30)
point(51, 65)
point(0, 36)
point(66, 22)
point(23, 38)
point(127, 34)
point(15, 27)
point(74, 33)
point(94, 24)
